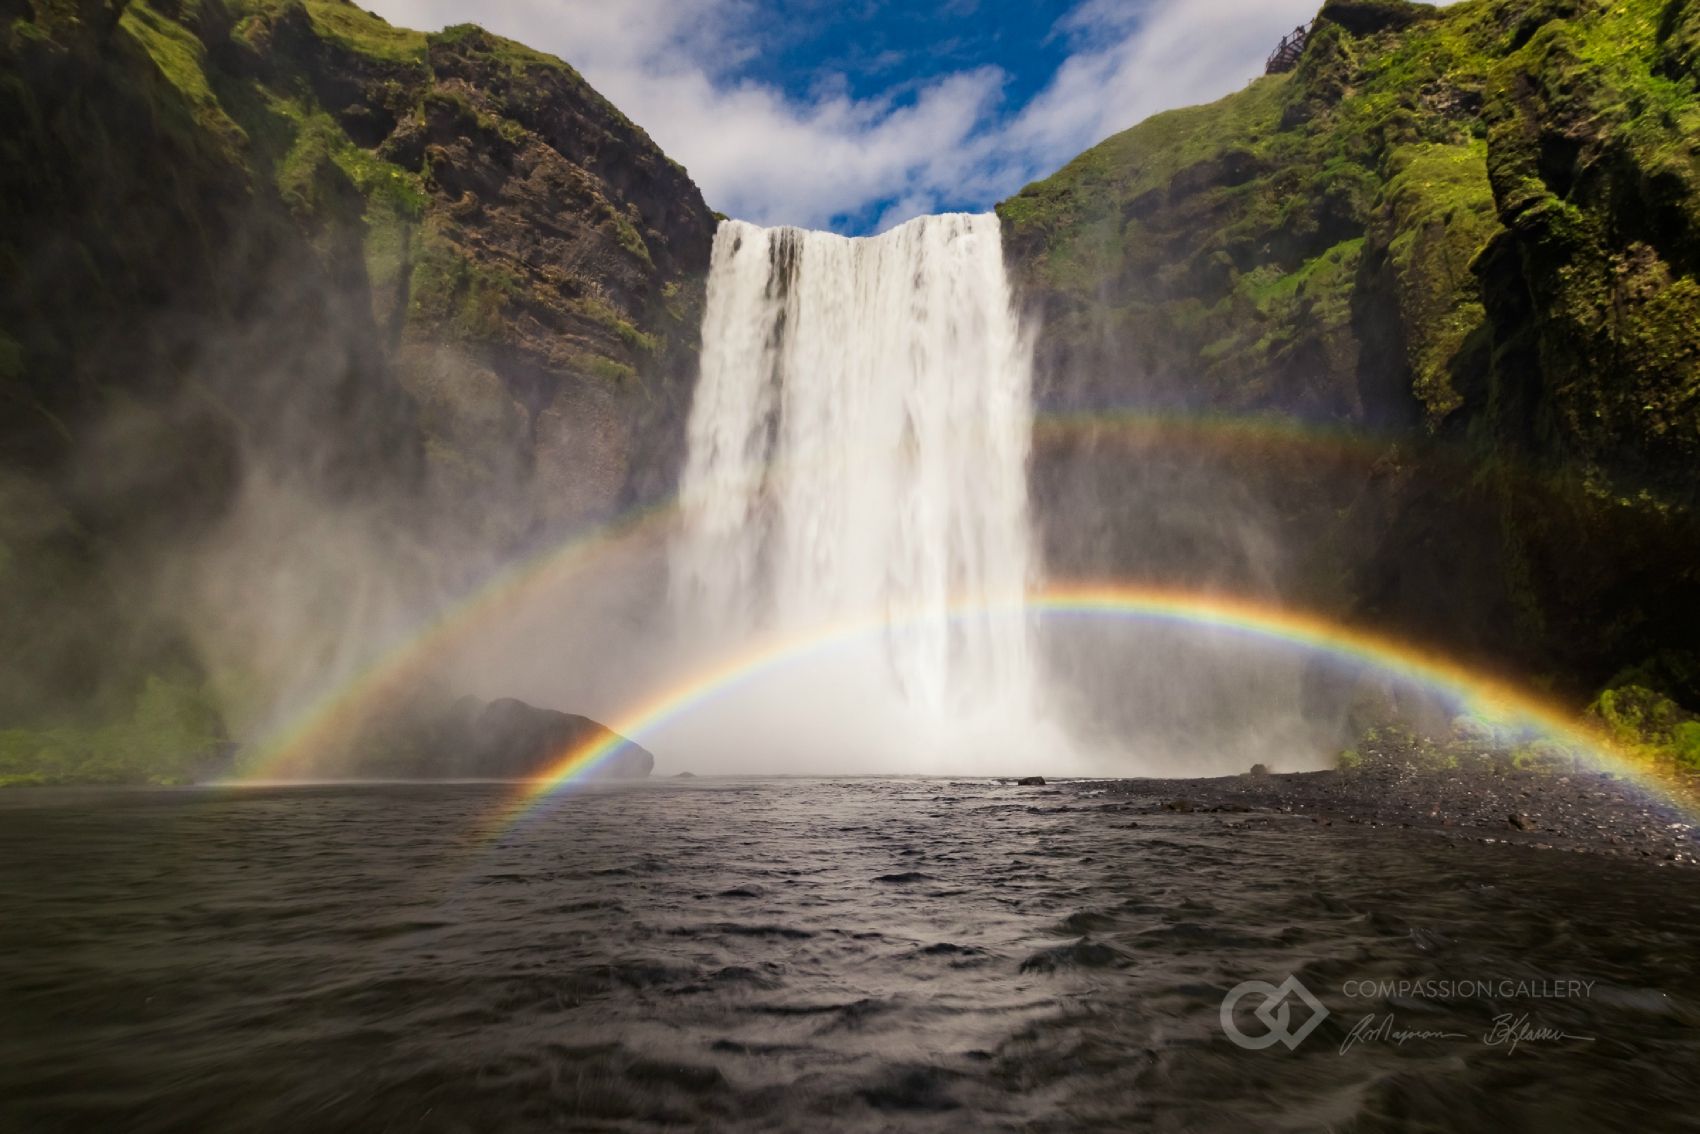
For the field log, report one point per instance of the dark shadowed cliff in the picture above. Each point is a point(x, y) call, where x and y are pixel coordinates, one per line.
point(433, 281)
point(1411, 332)
point(1406, 333)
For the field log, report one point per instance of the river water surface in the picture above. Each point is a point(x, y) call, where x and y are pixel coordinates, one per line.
point(814, 955)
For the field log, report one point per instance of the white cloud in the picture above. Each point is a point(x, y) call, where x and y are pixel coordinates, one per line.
point(1138, 62)
point(672, 66)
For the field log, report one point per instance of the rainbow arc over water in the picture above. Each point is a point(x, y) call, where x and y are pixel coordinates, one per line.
point(281, 750)
point(288, 745)
point(1492, 697)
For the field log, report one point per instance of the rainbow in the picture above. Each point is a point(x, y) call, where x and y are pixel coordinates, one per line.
point(1483, 693)
point(1237, 439)
point(289, 745)
point(396, 669)
point(1235, 435)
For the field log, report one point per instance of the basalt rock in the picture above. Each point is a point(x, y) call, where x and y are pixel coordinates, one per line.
point(509, 739)
point(490, 275)
point(1414, 322)
point(1366, 17)
point(433, 280)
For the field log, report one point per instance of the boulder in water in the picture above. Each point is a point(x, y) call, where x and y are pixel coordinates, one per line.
point(1031, 781)
point(433, 738)
point(503, 739)
point(509, 739)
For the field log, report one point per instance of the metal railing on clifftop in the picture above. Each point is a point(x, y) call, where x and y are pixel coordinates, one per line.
point(1286, 56)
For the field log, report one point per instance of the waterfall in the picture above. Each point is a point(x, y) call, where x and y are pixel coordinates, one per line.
point(858, 453)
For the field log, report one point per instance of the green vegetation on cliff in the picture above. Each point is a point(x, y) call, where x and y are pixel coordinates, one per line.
point(280, 241)
point(1472, 236)
point(172, 734)
point(1636, 712)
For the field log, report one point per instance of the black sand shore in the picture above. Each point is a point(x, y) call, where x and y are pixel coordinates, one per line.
point(1584, 812)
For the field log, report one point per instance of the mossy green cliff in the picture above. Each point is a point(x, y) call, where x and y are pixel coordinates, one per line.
point(436, 277)
point(1408, 333)
point(1461, 247)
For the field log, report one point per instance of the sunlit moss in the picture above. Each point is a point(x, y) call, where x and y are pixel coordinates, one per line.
point(1648, 725)
point(599, 310)
point(454, 293)
point(1439, 214)
point(627, 234)
point(181, 58)
point(1481, 223)
point(361, 31)
point(346, 25)
point(515, 55)
point(609, 369)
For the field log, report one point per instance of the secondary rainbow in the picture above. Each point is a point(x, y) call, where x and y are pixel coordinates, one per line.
point(294, 741)
point(1234, 435)
point(322, 721)
point(327, 718)
point(1484, 693)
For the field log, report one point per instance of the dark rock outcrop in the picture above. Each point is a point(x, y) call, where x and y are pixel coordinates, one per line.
point(509, 739)
point(470, 739)
point(1366, 17)
point(434, 279)
point(1406, 334)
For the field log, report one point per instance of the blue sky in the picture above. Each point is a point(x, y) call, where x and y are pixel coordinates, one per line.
point(878, 47)
point(859, 114)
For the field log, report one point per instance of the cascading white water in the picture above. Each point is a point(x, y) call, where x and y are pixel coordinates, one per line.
point(858, 453)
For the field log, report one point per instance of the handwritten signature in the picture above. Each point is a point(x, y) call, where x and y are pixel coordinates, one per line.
point(1383, 1029)
point(1507, 1031)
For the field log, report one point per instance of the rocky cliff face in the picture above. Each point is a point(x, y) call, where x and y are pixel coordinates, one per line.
point(433, 278)
point(1409, 332)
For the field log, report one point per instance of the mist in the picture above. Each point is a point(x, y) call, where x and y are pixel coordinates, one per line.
point(320, 513)
point(520, 585)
